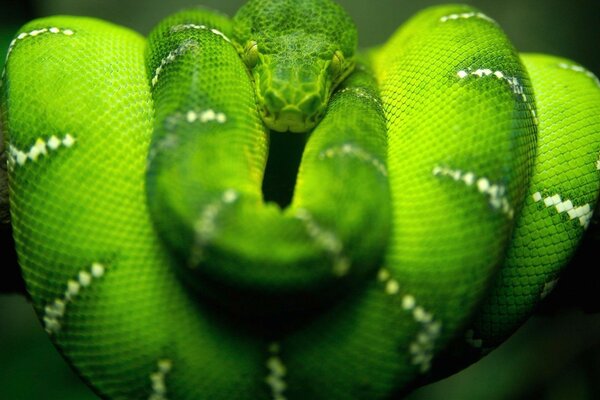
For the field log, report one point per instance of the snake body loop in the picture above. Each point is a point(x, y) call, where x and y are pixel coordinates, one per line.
point(216, 222)
point(446, 182)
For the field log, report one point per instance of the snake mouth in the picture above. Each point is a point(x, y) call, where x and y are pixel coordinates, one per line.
point(288, 119)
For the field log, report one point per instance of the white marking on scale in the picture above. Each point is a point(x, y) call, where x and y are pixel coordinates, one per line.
point(97, 270)
point(85, 278)
point(219, 33)
point(496, 193)
point(351, 150)
point(157, 379)
point(191, 116)
point(548, 288)
point(468, 15)
point(184, 47)
point(169, 141)
point(229, 196)
point(582, 213)
point(208, 115)
point(73, 288)
point(392, 287)
point(54, 142)
point(55, 311)
point(327, 240)
point(33, 33)
point(580, 69)
point(39, 148)
point(483, 185)
point(179, 28)
point(277, 371)
point(205, 226)
point(221, 118)
point(204, 116)
point(515, 86)
point(468, 178)
point(383, 275)
point(408, 302)
point(422, 348)
point(68, 140)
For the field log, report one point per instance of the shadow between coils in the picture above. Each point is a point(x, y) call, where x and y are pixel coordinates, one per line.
point(268, 314)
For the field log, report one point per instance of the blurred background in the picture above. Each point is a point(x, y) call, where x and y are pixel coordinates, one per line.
point(555, 356)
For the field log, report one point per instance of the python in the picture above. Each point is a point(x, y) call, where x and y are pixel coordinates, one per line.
point(445, 181)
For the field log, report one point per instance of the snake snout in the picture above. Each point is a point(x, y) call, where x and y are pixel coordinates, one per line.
point(282, 115)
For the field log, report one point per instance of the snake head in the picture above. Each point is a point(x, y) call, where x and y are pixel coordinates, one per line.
point(297, 53)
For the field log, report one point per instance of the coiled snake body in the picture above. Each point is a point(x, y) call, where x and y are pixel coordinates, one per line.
point(445, 183)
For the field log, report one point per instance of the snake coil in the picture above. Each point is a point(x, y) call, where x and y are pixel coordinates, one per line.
point(444, 182)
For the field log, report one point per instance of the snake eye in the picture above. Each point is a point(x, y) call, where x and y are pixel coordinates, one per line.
point(336, 63)
point(250, 56)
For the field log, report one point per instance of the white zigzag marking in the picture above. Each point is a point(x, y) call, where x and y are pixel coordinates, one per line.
point(277, 371)
point(205, 226)
point(327, 240)
point(515, 86)
point(159, 388)
point(205, 116)
point(580, 69)
point(55, 311)
point(40, 148)
point(548, 288)
point(350, 150)
point(495, 192)
point(469, 15)
point(184, 47)
point(33, 33)
point(422, 348)
point(582, 213)
point(179, 28)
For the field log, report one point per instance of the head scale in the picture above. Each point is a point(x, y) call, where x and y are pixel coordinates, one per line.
point(297, 53)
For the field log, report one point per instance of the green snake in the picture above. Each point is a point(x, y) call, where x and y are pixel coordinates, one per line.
point(445, 180)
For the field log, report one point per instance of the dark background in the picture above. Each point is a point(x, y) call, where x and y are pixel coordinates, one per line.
point(555, 356)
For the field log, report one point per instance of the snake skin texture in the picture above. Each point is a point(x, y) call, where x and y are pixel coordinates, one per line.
point(446, 182)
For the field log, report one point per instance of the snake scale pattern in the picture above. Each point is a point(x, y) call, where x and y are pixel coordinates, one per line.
point(445, 181)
